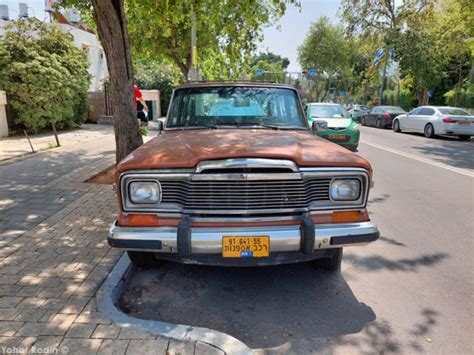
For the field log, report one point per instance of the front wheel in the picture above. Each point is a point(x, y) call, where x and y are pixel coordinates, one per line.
point(143, 260)
point(332, 264)
point(429, 131)
point(464, 138)
point(396, 126)
point(362, 121)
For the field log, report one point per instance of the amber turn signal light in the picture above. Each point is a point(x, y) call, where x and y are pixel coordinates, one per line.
point(349, 216)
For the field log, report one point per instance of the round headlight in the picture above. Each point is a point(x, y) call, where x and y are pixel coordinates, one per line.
point(345, 189)
point(145, 192)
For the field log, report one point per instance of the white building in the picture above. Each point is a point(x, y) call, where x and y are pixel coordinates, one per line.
point(83, 39)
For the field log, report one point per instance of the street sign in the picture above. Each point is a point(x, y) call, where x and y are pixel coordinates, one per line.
point(342, 93)
point(430, 93)
point(380, 53)
point(259, 72)
point(312, 72)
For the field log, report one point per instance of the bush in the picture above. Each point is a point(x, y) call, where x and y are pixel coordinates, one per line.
point(155, 76)
point(460, 97)
point(44, 75)
point(405, 99)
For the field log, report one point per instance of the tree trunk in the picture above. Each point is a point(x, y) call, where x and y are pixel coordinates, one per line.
point(113, 34)
point(422, 96)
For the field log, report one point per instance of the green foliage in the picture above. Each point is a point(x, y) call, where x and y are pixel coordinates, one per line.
point(143, 131)
point(405, 99)
point(162, 30)
point(463, 97)
point(326, 49)
point(271, 63)
point(271, 58)
point(44, 75)
point(151, 75)
point(433, 42)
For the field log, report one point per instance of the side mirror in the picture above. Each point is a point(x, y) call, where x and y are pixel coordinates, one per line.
point(318, 126)
point(159, 127)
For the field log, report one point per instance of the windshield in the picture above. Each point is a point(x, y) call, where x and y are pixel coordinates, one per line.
point(394, 109)
point(215, 107)
point(328, 111)
point(362, 108)
point(453, 111)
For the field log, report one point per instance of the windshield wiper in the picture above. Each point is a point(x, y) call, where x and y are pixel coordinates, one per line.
point(200, 127)
point(275, 127)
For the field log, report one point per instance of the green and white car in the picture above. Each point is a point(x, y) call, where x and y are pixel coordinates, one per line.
point(335, 124)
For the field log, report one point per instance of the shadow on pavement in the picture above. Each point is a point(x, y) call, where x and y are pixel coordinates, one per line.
point(449, 151)
point(263, 307)
point(375, 263)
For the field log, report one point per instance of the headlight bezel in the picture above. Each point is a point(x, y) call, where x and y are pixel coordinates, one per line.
point(342, 179)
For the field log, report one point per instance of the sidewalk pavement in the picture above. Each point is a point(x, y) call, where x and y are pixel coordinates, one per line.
point(54, 256)
point(18, 145)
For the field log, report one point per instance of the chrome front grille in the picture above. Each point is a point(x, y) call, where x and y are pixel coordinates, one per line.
point(245, 195)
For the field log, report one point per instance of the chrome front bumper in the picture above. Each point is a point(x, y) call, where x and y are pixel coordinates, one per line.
point(305, 238)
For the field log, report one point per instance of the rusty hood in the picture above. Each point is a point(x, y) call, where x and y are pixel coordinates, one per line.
point(186, 148)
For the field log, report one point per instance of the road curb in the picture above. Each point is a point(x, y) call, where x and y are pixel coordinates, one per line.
point(113, 288)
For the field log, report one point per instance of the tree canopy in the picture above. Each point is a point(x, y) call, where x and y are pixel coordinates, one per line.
point(44, 75)
point(227, 31)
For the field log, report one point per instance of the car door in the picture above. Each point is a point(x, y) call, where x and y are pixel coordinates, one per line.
point(372, 116)
point(425, 116)
point(408, 123)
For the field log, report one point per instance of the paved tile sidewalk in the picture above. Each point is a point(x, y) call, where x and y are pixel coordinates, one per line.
point(54, 256)
point(18, 145)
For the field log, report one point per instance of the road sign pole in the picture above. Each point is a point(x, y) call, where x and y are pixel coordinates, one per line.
point(382, 87)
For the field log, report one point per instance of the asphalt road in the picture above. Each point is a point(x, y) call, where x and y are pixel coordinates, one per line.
point(410, 292)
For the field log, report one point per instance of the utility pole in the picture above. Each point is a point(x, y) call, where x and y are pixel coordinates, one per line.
point(382, 86)
point(193, 74)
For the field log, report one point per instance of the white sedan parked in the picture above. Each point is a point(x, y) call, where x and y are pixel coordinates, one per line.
point(433, 120)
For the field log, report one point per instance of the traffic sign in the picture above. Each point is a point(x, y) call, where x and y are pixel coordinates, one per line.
point(259, 72)
point(342, 93)
point(312, 72)
point(430, 93)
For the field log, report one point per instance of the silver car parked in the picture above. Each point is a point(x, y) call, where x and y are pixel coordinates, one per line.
point(434, 120)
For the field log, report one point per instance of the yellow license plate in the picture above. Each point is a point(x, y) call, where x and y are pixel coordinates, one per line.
point(336, 136)
point(465, 123)
point(240, 247)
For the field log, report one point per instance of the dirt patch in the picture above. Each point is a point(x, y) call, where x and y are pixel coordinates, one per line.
point(106, 177)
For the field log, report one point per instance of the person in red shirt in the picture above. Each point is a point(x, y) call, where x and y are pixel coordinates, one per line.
point(139, 97)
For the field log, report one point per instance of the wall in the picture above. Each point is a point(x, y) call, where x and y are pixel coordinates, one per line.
point(3, 115)
point(89, 42)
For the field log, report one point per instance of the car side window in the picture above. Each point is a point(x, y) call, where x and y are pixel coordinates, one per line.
point(376, 110)
point(415, 111)
point(427, 111)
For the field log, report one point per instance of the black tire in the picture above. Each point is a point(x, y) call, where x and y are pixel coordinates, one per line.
point(330, 264)
point(464, 138)
point(143, 260)
point(396, 126)
point(362, 121)
point(378, 123)
point(429, 131)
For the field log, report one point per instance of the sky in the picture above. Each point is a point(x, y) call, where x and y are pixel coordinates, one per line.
point(294, 25)
point(35, 8)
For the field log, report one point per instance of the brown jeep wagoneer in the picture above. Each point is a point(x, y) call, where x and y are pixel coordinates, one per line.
point(237, 177)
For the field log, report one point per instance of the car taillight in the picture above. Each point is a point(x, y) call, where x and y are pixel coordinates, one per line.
point(386, 115)
point(449, 120)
